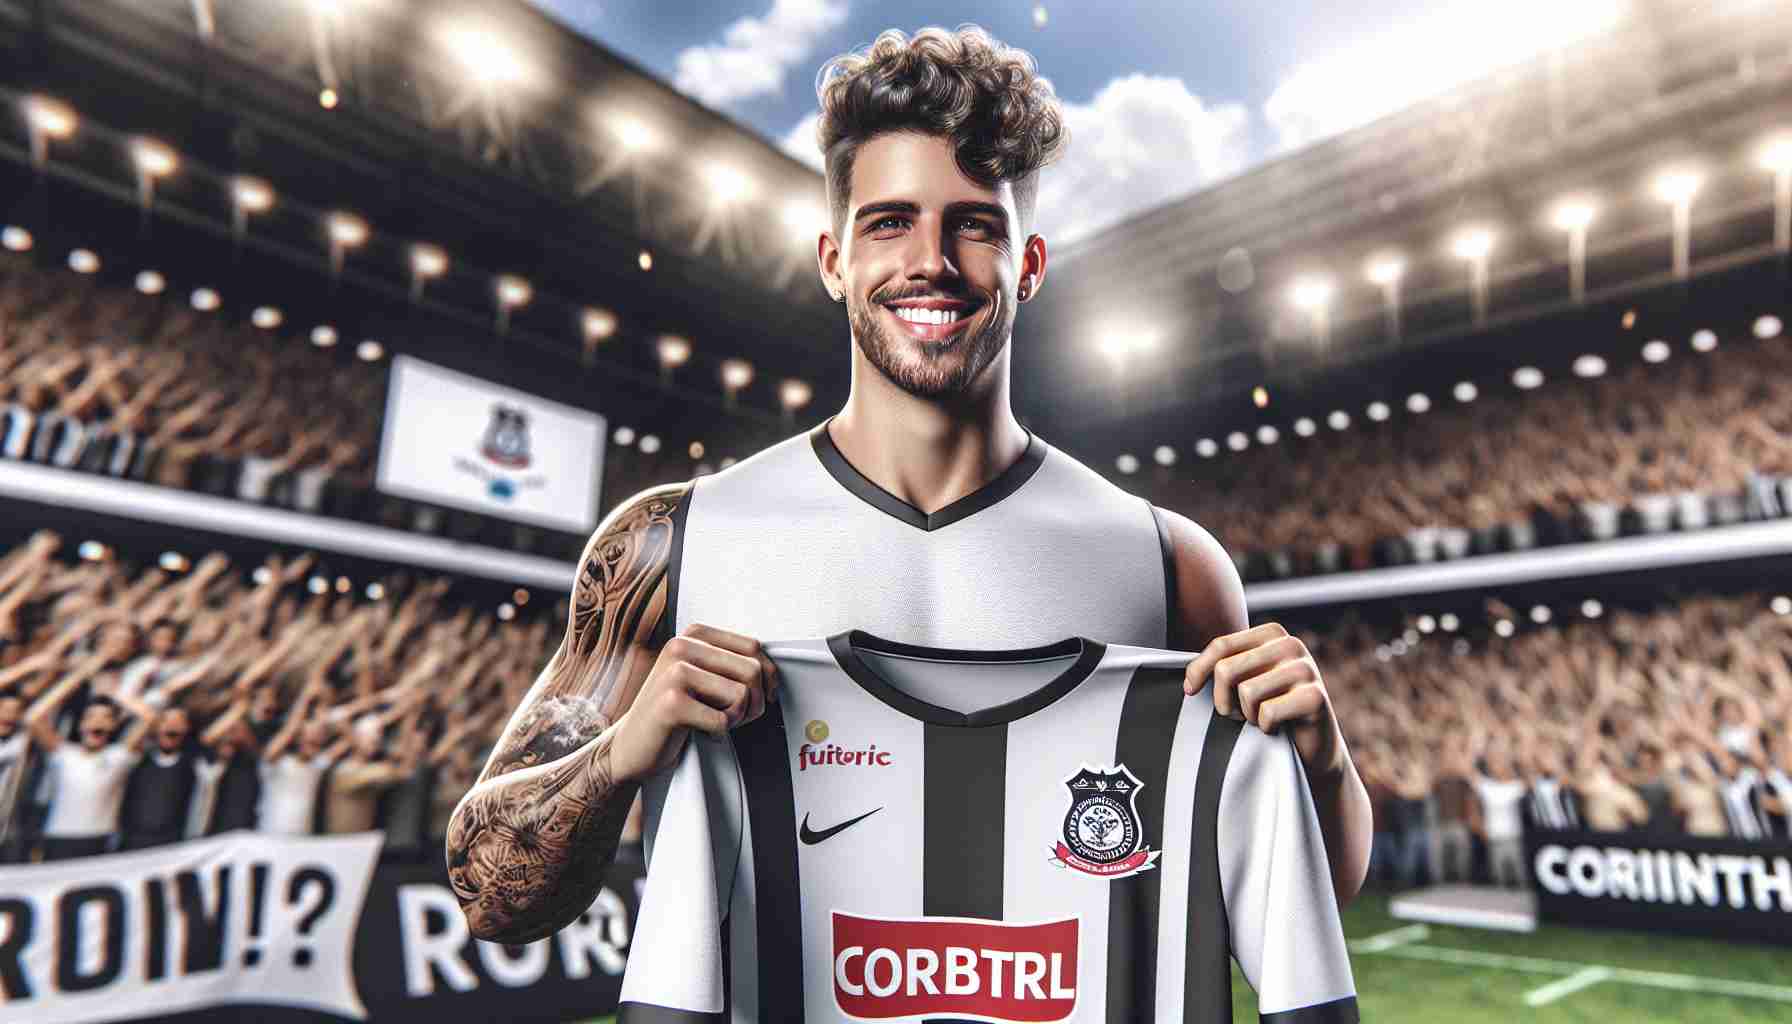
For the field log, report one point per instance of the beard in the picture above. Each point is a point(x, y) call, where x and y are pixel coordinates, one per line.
point(929, 369)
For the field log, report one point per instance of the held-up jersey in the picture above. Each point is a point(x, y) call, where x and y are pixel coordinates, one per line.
point(1092, 848)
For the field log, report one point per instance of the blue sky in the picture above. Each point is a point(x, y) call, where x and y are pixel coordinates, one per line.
point(1163, 97)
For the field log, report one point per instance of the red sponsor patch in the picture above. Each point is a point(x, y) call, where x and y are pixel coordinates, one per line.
point(953, 966)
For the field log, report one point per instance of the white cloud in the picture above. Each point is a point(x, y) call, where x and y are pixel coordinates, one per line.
point(800, 141)
point(756, 52)
point(1141, 142)
point(1424, 57)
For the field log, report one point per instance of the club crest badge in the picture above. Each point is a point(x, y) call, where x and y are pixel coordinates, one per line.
point(506, 440)
point(1102, 832)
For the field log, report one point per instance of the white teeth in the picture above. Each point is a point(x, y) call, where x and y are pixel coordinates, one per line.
point(927, 316)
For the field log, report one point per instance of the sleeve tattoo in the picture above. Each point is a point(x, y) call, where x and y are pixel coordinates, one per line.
point(528, 846)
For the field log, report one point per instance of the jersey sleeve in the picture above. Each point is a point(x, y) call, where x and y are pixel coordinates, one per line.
point(1277, 885)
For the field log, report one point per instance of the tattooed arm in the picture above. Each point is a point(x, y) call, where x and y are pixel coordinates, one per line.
point(529, 844)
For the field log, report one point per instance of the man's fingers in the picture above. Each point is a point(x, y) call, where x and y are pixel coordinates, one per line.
point(723, 661)
point(1220, 648)
point(1294, 705)
point(726, 695)
point(695, 714)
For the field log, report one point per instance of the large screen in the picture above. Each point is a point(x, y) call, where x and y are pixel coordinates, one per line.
point(457, 440)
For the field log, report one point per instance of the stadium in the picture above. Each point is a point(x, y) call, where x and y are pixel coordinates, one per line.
point(339, 339)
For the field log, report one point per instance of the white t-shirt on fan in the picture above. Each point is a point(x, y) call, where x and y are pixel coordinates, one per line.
point(289, 793)
point(87, 788)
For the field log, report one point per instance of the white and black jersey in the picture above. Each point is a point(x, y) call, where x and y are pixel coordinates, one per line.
point(1553, 804)
point(1742, 805)
point(925, 834)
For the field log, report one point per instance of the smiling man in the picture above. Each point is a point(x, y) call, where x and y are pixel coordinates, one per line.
point(923, 511)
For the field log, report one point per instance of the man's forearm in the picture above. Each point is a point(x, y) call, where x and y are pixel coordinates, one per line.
point(527, 850)
point(1347, 821)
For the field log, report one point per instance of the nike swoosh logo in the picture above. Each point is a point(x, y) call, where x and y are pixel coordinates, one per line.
point(811, 838)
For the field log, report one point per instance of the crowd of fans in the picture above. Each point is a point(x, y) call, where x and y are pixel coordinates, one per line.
point(139, 708)
point(1675, 720)
point(109, 381)
point(1698, 440)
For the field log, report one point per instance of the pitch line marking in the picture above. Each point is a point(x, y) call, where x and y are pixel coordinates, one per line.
point(1539, 965)
point(1384, 941)
point(1584, 978)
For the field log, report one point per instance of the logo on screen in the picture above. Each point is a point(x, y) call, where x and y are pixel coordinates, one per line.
point(506, 440)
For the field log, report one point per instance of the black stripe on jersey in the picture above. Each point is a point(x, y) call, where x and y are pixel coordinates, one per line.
point(1339, 1011)
point(1207, 978)
point(964, 781)
point(865, 489)
point(1163, 546)
point(1148, 720)
point(667, 627)
point(777, 896)
point(647, 1013)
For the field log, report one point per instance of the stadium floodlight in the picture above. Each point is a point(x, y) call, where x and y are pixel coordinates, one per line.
point(1237, 441)
point(1418, 402)
point(427, 263)
point(46, 119)
point(1378, 411)
point(205, 300)
point(793, 394)
point(1465, 391)
point(1704, 339)
point(1575, 215)
point(323, 336)
point(1591, 608)
point(1427, 624)
point(727, 183)
point(1338, 420)
point(1305, 426)
point(1127, 464)
point(247, 195)
point(1039, 16)
point(1504, 627)
point(1260, 396)
point(1448, 622)
point(1385, 272)
point(735, 374)
point(16, 239)
point(673, 351)
point(1267, 434)
point(1776, 157)
point(1656, 351)
point(1473, 245)
point(1207, 448)
point(267, 317)
point(1164, 455)
point(346, 232)
point(633, 134)
point(1677, 187)
point(153, 159)
point(84, 261)
point(486, 55)
point(596, 326)
point(1768, 327)
point(327, 98)
point(804, 219)
point(650, 443)
point(151, 282)
point(624, 436)
point(1527, 378)
point(1589, 366)
point(1781, 605)
point(1313, 296)
point(512, 292)
point(1540, 614)
point(644, 260)
point(370, 351)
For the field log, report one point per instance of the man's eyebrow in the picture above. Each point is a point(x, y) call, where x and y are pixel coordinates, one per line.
point(905, 206)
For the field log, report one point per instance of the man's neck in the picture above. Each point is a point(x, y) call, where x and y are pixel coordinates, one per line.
point(927, 453)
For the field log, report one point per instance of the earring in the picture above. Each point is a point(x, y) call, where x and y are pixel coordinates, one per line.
point(837, 296)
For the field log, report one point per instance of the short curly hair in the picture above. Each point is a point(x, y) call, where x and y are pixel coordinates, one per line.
point(1003, 118)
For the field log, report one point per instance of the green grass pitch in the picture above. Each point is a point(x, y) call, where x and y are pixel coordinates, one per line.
point(1419, 980)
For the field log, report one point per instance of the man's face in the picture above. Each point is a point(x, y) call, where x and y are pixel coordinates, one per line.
point(171, 730)
point(264, 705)
point(97, 725)
point(313, 738)
point(12, 709)
point(952, 241)
point(163, 640)
point(117, 642)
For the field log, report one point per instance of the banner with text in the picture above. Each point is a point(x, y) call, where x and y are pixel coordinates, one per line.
point(294, 926)
point(461, 441)
point(1731, 888)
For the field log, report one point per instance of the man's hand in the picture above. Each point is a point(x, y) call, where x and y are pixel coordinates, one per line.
point(705, 678)
point(1267, 677)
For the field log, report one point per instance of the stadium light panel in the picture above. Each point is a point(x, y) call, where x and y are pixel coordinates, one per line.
point(323, 336)
point(1504, 627)
point(327, 98)
point(1127, 463)
point(1776, 154)
point(644, 260)
point(1338, 420)
point(1385, 270)
point(346, 229)
point(735, 374)
point(83, 261)
point(673, 350)
point(52, 117)
point(1267, 434)
point(1237, 441)
point(793, 394)
point(1207, 448)
point(1591, 609)
point(266, 317)
point(1164, 455)
point(513, 291)
point(1260, 396)
point(1678, 185)
point(1782, 605)
point(1378, 411)
point(1465, 391)
point(649, 444)
point(1311, 294)
point(1526, 378)
point(624, 436)
point(804, 219)
point(1472, 243)
point(1704, 339)
point(1589, 366)
point(1305, 426)
point(151, 282)
point(634, 135)
point(1418, 402)
point(1768, 327)
point(1427, 624)
point(205, 300)
point(428, 260)
point(1656, 351)
point(727, 184)
point(153, 159)
point(695, 450)
point(1573, 214)
point(1448, 622)
point(486, 55)
point(1541, 614)
point(252, 195)
point(370, 351)
point(16, 239)
point(597, 324)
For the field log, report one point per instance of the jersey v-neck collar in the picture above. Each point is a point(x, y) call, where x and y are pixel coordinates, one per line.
point(861, 486)
point(847, 644)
